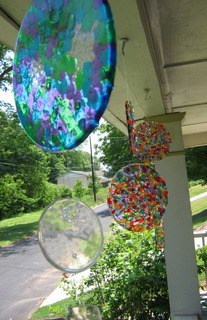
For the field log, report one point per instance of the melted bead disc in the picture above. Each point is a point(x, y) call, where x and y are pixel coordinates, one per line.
point(150, 141)
point(64, 69)
point(138, 197)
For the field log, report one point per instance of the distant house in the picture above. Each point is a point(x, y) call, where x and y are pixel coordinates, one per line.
point(69, 179)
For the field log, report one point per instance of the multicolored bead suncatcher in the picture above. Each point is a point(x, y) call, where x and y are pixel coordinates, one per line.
point(149, 140)
point(64, 70)
point(138, 195)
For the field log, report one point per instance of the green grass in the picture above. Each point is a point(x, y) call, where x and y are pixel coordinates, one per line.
point(19, 227)
point(58, 309)
point(100, 198)
point(199, 219)
point(199, 211)
point(199, 205)
point(196, 190)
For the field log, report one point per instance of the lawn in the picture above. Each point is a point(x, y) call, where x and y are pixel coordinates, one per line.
point(19, 227)
point(198, 207)
point(199, 219)
point(100, 198)
point(196, 190)
point(58, 309)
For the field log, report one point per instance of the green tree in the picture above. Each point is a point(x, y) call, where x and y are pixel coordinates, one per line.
point(78, 189)
point(196, 161)
point(57, 165)
point(97, 184)
point(114, 146)
point(54, 192)
point(73, 160)
point(12, 196)
point(79, 160)
point(22, 160)
point(5, 67)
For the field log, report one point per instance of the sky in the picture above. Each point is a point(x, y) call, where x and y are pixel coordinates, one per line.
point(7, 97)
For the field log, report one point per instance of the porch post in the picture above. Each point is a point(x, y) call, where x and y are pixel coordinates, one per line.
point(179, 243)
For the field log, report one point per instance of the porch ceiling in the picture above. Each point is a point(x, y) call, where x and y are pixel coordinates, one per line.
point(164, 69)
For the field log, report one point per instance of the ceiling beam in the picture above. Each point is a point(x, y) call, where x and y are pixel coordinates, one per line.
point(150, 20)
point(10, 29)
point(195, 140)
point(184, 63)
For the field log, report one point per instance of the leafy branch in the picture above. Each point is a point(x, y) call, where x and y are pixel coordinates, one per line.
point(4, 73)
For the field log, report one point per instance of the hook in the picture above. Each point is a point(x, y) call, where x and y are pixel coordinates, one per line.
point(147, 93)
point(124, 41)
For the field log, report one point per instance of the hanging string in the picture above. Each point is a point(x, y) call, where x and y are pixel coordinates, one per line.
point(124, 41)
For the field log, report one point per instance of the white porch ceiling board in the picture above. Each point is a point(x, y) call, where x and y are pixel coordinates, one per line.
point(11, 15)
point(139, 72)
point(8, 37)
point(184, 28)
point(194, 114)
point(198, 139)
point(178, 31)
point(117, 101)
point(188, 84)
point(194, 128)
point(16, 9)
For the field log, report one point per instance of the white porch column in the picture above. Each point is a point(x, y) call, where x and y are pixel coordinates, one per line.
point(179, 242)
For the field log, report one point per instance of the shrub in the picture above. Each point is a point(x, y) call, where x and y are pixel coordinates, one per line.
point(195, 183)
point(201, 258)
point(54, 192)
point(129, 279)
point(97, 184)
point(79, 189)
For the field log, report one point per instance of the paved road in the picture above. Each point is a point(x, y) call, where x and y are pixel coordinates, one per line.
point(105, 217)
point(26, 278)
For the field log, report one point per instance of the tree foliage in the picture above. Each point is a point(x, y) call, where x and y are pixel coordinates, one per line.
point(129, 279)
point(114, 146)
point(79, 189)
point(93, 185)
point(57, 165)
point(73, 160)
point(79, 160)
point(5, 67)
point(20, 157)
point(25, 169)
point(196, 160)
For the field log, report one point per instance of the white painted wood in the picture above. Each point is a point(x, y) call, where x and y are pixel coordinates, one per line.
point(179, 246)
point(185, 318)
